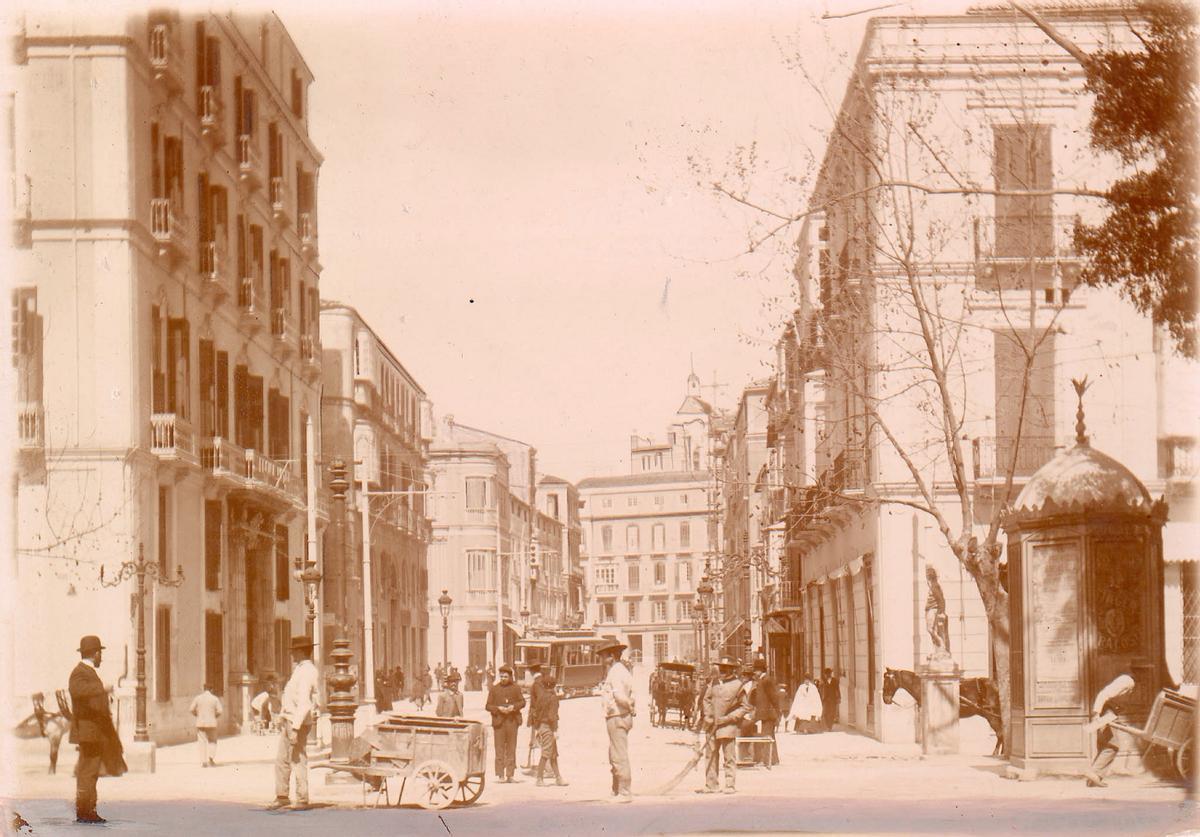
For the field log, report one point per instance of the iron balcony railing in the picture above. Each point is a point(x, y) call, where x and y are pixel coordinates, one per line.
point(249, 159)
point(993, 455)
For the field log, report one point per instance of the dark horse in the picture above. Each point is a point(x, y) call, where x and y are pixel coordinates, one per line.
point(976, 696)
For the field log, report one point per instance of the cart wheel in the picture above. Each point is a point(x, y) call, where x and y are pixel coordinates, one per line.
point(1183, 761)
point(470, 789)
point(435, 784)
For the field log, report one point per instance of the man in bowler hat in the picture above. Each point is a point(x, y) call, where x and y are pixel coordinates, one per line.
point(296, 718)
point(92, 729)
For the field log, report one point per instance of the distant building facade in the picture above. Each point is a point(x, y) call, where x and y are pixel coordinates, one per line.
point(377, 419)
point(647, 536)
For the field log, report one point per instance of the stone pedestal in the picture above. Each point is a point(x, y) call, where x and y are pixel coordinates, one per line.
point(939, 706)
point(139, 756)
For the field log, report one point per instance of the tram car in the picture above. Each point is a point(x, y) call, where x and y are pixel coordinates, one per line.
point(571, 659)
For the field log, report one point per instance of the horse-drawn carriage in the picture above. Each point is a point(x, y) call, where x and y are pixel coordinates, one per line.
point(673, 689)
point(444, 759)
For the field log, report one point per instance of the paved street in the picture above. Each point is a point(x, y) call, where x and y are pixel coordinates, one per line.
point(819, 787)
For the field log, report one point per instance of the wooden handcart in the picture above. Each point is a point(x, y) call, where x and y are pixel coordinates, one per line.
point(1170, 726)
point(442, 760)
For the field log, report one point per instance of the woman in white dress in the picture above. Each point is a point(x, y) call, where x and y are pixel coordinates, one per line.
point(806, 707)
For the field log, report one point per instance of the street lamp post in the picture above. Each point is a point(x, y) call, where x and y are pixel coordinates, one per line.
point(444, 602)
point(141, 569)
point(705, 591)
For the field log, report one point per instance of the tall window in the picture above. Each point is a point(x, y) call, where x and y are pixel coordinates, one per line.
point(658, 537)
point(1037, 426)
point(480, 572)
point(660, 573)
point(552, 506)
point(283, 654)
point(162, 653)
point(477, 493)
point(685, 534)
point(606, 502)
point(683, 610)
point(683, 575)
point(164, 528)
point(659, 611)
point(631, 501)
point(282, 574)
point(606, 575)
point(633, 615)
point(1024, 225)
point(178, 367)
point(214, 651)
point(27, 347)
point(660, 647)
point(635, 574)
point(631, 537)
point(608, 613)
point(212, 544)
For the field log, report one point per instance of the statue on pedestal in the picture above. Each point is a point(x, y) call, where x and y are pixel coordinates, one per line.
point(936, 621)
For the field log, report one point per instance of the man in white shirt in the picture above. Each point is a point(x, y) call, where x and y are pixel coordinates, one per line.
point(295, 715)
point(617, 703)
point(1112, 698)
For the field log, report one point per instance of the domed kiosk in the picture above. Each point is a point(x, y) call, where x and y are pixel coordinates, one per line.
point(1085, 582)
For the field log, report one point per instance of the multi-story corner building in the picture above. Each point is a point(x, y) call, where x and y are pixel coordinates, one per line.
point(559, 500)
point(743, 567)
point(377, 419)
point(859, 442)
point(647, 539)
point(500, 555)
point(166, 342)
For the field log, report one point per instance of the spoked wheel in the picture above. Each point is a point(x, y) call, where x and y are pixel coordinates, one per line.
point(1183, 761)
point(435, 785)
point(470, 789)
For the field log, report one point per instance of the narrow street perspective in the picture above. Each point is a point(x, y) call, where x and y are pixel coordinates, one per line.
point(602, 418)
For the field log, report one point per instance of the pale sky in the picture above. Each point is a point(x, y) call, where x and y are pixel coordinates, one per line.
point(510, 198)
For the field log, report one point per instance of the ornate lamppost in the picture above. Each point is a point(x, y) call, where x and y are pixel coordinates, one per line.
point(705, 590)
point(141, 568)
point(335, 594)
point(444, 602)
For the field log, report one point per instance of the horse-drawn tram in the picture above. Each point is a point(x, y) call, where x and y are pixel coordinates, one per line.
point(673, 689)
point(569, 656)
point(443, 761)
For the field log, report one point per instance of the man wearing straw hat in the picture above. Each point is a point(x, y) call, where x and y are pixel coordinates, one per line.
point(616, 699)
point(725, 705)
point(296, 713)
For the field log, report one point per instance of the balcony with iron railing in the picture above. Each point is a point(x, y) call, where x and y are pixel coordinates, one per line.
point(166, 57)
point(170, 228)
point(266, 474)
point(30, 430)
point(310, 355)
point(223, 459)
point(250, 303)
point(281, 200)
point(250, 169)
point(307, 224)
point(171, 438)
point(214, 269)
point(283, 332)
point(785, 595)
point(212, 122)
point(992, 456)
point(1033, 252)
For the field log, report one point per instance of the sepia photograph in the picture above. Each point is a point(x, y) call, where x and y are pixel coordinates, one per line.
point(578, 417)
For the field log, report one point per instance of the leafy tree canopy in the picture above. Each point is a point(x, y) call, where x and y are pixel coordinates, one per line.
point(1146, 112)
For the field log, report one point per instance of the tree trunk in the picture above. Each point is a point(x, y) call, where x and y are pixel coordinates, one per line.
point(1000, 653)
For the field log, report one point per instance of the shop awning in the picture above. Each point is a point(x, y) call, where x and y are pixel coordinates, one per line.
point(515, 627)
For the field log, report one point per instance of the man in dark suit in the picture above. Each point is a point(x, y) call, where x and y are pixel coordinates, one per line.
point(92, 729)
point(831, 697)
point(765, 699)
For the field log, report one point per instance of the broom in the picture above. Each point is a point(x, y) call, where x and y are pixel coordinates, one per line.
point(700, 750)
